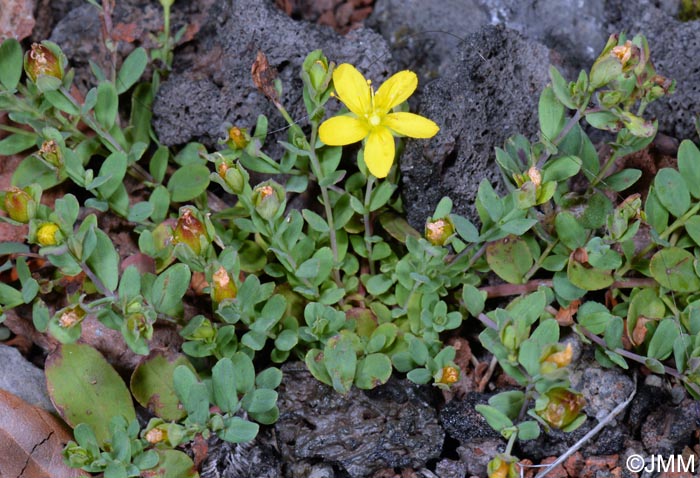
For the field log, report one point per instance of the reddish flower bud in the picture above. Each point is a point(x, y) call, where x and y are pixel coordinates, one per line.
point(437, 232)
point(189, 230)
point(222, 287)
point(40, 60)
point(559, 407)
point(19, 205)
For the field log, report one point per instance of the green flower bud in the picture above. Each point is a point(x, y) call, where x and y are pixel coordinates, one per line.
point(40, 60)
point(138, 325)
point(559, 407)
point(439, 231)
point(188, 230)
point(233, 175)
point(268, 198)
point(19, 205)
point(315, 72)
point(222, 287)
point(204, 332)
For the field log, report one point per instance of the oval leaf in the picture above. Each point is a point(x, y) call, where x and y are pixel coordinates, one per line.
point(673, 269)
point(84, 388)
point(188, 182)
point(672, 192)
point(152, 384)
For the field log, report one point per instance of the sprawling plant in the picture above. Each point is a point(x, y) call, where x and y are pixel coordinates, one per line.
point(342, 282)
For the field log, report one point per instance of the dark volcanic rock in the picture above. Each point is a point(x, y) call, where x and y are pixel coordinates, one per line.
point(427, 37)
point(488, 95)
point(257, 458)
point(214, 86)
point(674, 46)
point(462, 422)
point(362, 432)
point(668, 429)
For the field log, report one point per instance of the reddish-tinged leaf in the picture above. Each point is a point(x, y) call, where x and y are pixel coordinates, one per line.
point(31, 440)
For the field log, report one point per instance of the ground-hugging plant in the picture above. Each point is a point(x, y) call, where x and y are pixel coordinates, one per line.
point(344, 282)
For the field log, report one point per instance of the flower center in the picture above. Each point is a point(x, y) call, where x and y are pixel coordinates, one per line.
point(374, 119)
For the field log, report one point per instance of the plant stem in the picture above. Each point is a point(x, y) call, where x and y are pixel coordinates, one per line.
point(511, 442)
point(90, 121)
point(506, 290)
point(540, 260)
point(368, 223)
point(318, 172)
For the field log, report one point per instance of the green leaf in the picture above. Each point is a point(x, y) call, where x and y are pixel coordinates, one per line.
point(529, 430)
point(169, 288)
point(9, 296)
point(465, 228)
point(381, 195)
point(259, 400)
point(16, 143)
point(510, 258)
point(443, 209)
point(223, 383)
point(673, 269)
point(561, 88)
point(474, 299)
point(107, 105)
point(551, 114)
point(188, 182)
point(269, 378)
point(661, 344)
point(689, 166)
point(10, 63)
point(86, 389)
point(372, 371)
point(114, 168)
point(657, 215)
point(561, 168)
point(489, 200)
point(173, 463)
point(132, 69)
point(570, 232)
point(495, 418)
point(140, 211)
point(341, 361)
point(316, 222)
point(237, 430)
point(104, 261)
point(586, 277)
point(594, 317)
point(419, 375)
point(672, 192)
point(153, 387)
point(244, 372)
point(59, 101)
point(159, 164)
point(692, 227)
point(622, 180)
point(379, 284)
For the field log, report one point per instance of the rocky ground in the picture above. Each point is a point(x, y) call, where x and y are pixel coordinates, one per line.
point(481, 64)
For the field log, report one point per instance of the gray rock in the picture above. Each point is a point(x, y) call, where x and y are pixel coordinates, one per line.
point(674, 46)
point(427, 37)
point(23, 379)
point(199, 99)
point(489, 94)
point(462, 422)
point(668, 429)
point(576, 29)
point(392, 426)
point(602, 388)
point(257, 458)
point(450, 469)
point(476, 454)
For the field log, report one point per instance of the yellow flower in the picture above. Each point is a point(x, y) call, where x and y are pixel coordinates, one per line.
point(46, 235)
point(371, 118)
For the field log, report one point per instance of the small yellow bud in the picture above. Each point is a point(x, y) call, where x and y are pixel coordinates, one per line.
point(561, 407)
point(237, 138)
point(48, 234)
point(449, 376)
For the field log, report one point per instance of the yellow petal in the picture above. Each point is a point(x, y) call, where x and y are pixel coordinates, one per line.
point(352, 89)
point(395, 90)
point(379, 152)
point(342, 130)
point(409, 124)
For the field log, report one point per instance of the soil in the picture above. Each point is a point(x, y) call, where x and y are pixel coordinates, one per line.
point(399, 429)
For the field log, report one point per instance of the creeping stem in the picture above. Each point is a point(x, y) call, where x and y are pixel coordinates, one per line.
point(368, 223)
